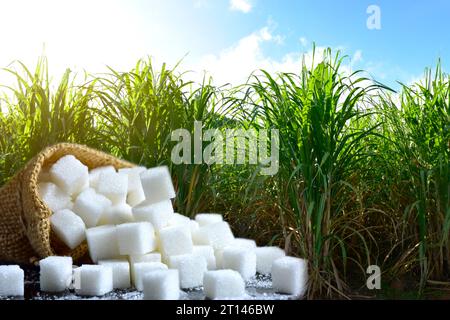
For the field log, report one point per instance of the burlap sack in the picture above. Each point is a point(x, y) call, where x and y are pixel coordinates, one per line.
point(25, 233)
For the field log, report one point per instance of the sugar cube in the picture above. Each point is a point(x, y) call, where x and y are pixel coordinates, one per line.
point(136, 238)
point(117, 214)
point(161, 285)
point(158, 213)
point(244, 243)
point(55, 273)
point(220, 284)
point(12, 281)
point(69, 227)
point(114, 186)
point(218, 235)
point(94, 280)
point(191, 269)
point(143, 268)
point(94, 174)
point(241, 260)
point(265, 256)
point(70, 175)
point(175, 240)
point(194, 226)
point(136, 258)
point(135, 193)
point(53, 196)
point(204, 219)
point(121, 272)
point(90, 206)
point(102, 242)
point(157, 185)
point(179, 219)
point(208, 253)
point(290, 275)
point(218, 255)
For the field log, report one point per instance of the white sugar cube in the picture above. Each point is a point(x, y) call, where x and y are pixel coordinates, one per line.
point(220, 284)
point(114, 186)
point(102, 243)
point(135, 193)
point(194, 226)
point(12, 281)
point(137, 258)
point(241, 260)
point(143, 268)
point(174, 241)
point(136, 197)
point(204, 219)
point(90, 206)
point(161, 285)
point(121, 272)
point(191, 269)
point(69, 227)
point(94, 280)
point(179, 219)
point(94, 174)
point(265, 256)
point(208, 253)
point(218, 235)
point(136, 238)
point(218, 255)
point(157, 184)
point(290, 275)
point(117, 214)
point(244, 243)
point(138, 170)
point(70, 175)
point(55, 274)
point(53, 196)
point(158, 213)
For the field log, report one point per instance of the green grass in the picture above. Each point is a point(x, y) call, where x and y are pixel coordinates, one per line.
point(363, 179)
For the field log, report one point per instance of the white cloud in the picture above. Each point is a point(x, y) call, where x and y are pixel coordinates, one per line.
point(303, 41)
point(235, 64)
point(201, 3)
point(244, 6)
point(357, 57)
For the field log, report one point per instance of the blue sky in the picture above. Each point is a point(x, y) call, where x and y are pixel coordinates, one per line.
point(227, 38)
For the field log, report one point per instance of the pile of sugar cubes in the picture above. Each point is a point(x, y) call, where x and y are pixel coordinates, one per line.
point(137, 241)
